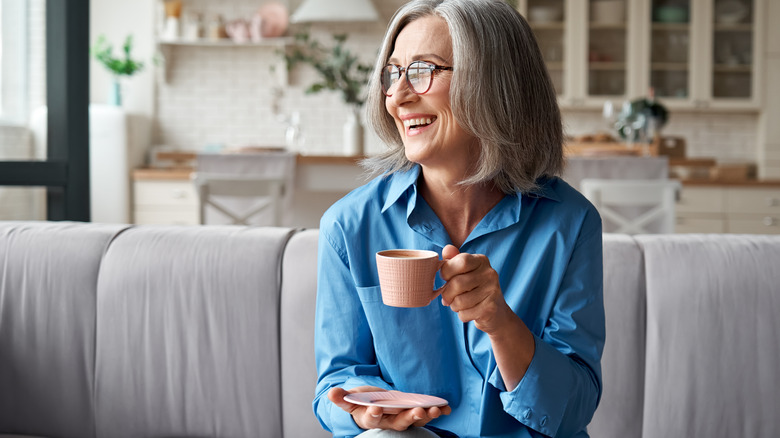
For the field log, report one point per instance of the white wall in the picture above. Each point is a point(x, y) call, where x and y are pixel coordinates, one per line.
point(116, 19)
point(223, 95)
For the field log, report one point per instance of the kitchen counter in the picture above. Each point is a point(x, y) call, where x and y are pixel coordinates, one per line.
point(182, 173)
point(320, 180)
point(744, 183)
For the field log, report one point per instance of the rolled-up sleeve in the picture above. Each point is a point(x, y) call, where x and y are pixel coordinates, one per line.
point(343, 344)
point(562, 386)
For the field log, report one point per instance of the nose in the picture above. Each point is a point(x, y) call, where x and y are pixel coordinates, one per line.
point(402, 91)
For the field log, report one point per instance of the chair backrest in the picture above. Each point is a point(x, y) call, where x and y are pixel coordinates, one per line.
point(213, 189)
point(633, 206)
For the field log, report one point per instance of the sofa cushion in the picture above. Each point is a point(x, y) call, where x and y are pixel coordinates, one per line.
point(188, 333)
point(712, 335)
point(299, 373)
point(47, 325)
point(620, 410)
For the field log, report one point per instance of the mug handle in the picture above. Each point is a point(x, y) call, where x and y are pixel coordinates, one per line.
point(437, 292)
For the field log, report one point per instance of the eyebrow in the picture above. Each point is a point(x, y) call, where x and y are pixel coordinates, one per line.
point(421, 57)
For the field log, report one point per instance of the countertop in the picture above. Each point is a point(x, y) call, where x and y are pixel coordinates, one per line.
point(745, 183)
point(183, 173)
point(180, 173)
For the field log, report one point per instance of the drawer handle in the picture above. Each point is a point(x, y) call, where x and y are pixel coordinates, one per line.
point(769, 221)
point(773, 202)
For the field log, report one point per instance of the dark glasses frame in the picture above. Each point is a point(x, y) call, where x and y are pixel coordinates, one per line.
point(433, 68)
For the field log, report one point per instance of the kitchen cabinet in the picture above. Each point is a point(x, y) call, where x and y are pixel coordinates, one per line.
point(696, 54)
point(168, 196)
point(751, 209)
point(184, 26)
point(164, 197)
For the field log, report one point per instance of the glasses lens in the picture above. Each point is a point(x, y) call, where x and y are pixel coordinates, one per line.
point(419, 76)
point(390, 75)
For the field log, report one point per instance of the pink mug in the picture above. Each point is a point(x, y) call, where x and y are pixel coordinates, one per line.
point(406, 276)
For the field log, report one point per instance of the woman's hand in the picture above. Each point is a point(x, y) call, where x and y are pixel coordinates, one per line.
point(374, 417)
point(473, 291)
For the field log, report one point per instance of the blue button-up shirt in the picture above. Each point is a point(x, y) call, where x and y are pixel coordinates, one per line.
point(546, 248)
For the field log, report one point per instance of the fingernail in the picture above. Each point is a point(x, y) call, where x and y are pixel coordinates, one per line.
point(416, 418)
point(376, 415)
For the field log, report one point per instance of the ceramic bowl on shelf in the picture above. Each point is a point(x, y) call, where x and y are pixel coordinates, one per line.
point(608, 11)
point(274, 18)
point(670, 14)
point(545, 14)
point(731, 12)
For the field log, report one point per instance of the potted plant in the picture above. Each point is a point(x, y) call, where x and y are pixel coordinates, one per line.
point(125, 65)
point(339, 70)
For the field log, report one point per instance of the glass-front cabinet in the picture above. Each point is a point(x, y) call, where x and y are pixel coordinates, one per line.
point(670, 55)
point(734, 67)
point(548, 19)
point(693, 53)
point(608, 48)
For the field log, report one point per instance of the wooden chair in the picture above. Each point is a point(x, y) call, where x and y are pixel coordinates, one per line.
point(213, 188)
point(634, 206)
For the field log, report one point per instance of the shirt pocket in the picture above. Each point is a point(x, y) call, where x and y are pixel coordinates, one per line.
point(372, 294)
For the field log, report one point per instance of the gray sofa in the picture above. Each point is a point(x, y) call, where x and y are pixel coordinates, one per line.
point(153, 331)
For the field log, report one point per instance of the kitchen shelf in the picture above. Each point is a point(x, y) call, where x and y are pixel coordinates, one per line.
point(607, 26)
point(667, 27)
point(205, 42)
point(607, 66)
point(669, 66)
point(728, 68)
point(733, 27)
point(555, 25)
point(166, 46)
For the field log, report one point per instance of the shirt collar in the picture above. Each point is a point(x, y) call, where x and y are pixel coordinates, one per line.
point(400, 182)
point(545, 189)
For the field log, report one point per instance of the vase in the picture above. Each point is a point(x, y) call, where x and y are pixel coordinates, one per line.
point(115, 93)
point(353, 133)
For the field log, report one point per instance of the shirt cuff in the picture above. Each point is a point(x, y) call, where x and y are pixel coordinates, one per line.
point(539, 400)
point(342, 422)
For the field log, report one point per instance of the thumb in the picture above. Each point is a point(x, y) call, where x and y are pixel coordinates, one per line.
point(449, 252)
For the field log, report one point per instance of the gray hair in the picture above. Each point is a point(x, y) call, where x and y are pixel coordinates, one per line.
point(500, 92)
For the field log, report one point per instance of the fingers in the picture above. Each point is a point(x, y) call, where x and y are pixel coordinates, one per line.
point(336, 395)
point(371, 418)
point(374, 417)
point(462, 263)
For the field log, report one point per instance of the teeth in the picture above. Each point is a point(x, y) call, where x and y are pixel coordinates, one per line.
point(417, 122)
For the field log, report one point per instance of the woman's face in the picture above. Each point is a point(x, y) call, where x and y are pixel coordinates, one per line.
point(442, 142)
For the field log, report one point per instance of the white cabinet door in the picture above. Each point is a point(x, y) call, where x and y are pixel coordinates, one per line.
point(166, 202)
point(704, 54)
point(701, 210)
point(695, 54)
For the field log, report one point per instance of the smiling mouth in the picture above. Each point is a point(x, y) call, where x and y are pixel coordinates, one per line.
point(419, 123)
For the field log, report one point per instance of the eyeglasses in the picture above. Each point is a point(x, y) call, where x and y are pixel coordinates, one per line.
point(419, 76)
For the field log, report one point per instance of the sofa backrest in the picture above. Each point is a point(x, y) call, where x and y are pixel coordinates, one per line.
point(713, 336)
point(48, 278)
point(118, 331)
point(188, 333)
point(622, 365)
point(299, 373)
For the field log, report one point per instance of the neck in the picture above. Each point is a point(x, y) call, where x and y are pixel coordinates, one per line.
point(460, 208)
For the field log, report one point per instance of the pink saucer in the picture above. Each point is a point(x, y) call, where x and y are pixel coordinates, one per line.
point(395, 401)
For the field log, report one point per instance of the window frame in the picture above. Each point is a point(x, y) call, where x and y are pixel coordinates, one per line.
point(65, 171)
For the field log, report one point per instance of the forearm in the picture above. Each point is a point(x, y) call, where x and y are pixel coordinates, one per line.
point(513, 348)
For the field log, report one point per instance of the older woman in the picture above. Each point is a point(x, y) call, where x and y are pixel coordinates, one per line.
point(463, 100)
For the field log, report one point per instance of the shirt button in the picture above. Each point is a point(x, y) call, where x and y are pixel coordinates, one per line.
point(527, 414)
point(544, 421)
